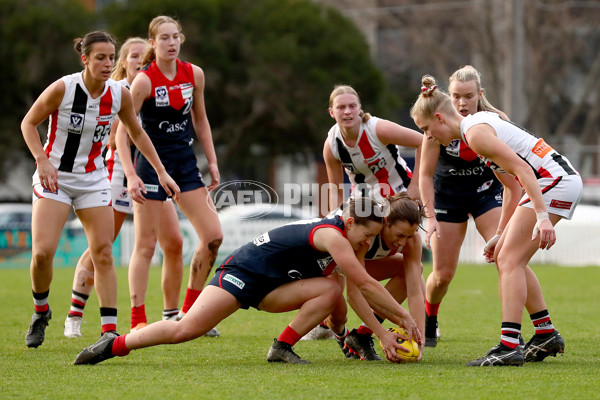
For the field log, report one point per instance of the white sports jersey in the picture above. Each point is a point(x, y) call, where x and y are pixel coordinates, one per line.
point(79, 128)
point(543, 159)
point(374, 169)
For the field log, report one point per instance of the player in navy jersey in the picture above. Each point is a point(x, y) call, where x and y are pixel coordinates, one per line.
point(71, 173)
point(169, 236)
point(366, 148)
point(552, 191)
point(282, 270)
point(394, 256)
point(454, 184)
point(169, 95)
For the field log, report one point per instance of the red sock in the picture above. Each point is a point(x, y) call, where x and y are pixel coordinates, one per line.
point(432, 309)
point(364, 330)
point(190, 297)
point(138, 315)
point(289, 336)
point(119, 348)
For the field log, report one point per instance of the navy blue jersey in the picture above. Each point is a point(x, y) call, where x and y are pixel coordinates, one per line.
point(166, 113)
point(460, 172)
point(287, 252)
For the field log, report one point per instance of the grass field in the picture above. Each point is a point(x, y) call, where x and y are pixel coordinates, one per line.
point(234, 365)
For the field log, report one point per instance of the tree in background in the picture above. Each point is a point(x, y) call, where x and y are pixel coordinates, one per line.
point(270, 66)
point(36, 50)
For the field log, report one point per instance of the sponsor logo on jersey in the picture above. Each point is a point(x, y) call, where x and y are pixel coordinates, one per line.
point(467, 171)
point(235, 281)
point(104, 118)
point(187, 89)
point(541, 148)
point(441, 211)
point(151, 188)
point(324, 262)
point(161, 96)
point(75, 124)
point(122, 203)
point(173, 128)
point(262, 239)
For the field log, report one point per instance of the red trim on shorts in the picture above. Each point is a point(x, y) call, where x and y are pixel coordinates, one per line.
point(544, 190)
point(222, 272)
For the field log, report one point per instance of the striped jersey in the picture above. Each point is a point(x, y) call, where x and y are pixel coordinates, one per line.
point(543, 159)
point(288, 251)
point(374, 169)
point(166, 113)
point(79, 128)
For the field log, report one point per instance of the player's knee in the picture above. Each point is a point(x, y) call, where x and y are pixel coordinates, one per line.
point(102, 256)
point(41, 258)
point(173, 245)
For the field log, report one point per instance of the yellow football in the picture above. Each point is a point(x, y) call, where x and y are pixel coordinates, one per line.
point(412, 347)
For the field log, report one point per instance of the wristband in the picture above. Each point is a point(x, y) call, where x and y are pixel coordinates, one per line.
point(542, 215)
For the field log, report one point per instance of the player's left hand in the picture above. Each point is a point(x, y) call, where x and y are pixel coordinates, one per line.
point(215, 177)
point(389, 342)
point(169, 185)
point(546, 232)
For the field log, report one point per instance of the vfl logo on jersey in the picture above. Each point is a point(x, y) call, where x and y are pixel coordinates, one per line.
point(324, 262)
point(350, 168)
point(453, 148)
point(151, 188)
point(75, 124)
point(234, 281)
point(262, 239)
point(162, 96)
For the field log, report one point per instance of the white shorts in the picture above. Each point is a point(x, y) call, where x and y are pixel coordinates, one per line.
point(78, 190)
point(120, 196)
point(561, 195)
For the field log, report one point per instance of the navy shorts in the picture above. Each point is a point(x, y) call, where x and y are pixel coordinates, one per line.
point(457, 209)
point(180, 163)
point(246, 286)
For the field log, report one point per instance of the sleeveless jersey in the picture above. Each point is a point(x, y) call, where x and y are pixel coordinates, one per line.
point(378, 248)
point(166, 113)
point(79, 128)
point(459, 172)
point(113, 163)
point(288, 251)
point(374, 169)
point(543, 159)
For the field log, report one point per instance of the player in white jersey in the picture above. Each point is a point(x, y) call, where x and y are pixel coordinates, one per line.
point(169, 235)
point(553, 190)
point(366, 148)
point(71, 173)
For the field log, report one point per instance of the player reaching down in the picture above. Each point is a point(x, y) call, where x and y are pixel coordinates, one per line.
point(553, 190)
point(282, 270)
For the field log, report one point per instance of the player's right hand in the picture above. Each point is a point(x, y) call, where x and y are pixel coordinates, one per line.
point(48, 175)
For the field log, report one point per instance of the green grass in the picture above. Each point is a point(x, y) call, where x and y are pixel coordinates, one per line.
point(234, 365)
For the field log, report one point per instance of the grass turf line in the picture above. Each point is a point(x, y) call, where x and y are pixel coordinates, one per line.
point(234, 366)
